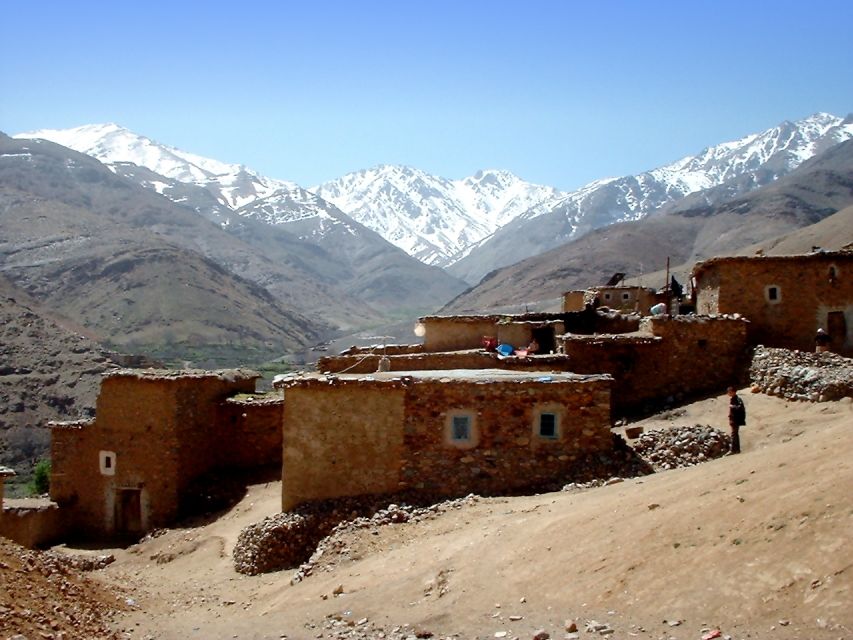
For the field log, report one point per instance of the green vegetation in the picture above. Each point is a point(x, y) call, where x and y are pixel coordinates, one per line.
point(40, 482)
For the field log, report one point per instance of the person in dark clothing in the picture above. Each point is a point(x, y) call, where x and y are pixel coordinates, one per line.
point(737, 418)
point(822, 341)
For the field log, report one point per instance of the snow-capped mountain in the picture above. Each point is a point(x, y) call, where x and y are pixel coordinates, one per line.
point(233, 185)
point(739, 166)
point(429, 217)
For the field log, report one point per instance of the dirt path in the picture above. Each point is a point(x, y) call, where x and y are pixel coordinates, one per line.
point(757, 545)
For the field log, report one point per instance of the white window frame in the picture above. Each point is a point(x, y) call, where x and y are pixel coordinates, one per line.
point(107, 462)
point(450, 431)
point(778, 297)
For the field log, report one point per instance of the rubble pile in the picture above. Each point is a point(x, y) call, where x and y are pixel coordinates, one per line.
point(801, 375)
point(299, 537)
point(682, 446)
point(336, 541)
point(43, 596)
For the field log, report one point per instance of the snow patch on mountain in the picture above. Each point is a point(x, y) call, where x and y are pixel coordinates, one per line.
point(430, 217)
point(233, 185)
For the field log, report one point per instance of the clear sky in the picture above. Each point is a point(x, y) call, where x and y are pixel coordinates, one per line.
point(560, 92)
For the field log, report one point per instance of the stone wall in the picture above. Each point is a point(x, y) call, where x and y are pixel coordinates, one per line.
point(807, 289)
point(670, 360)
point(355, 436)
point(509, 453)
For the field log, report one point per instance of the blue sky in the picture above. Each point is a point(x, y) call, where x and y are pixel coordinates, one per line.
point(558, 92)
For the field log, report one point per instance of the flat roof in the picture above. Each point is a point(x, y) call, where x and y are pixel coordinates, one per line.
point(799, 257)
point(180, 374)
point(442, 375)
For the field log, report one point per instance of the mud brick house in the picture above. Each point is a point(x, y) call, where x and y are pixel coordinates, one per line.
point(621, 297)
point(441, 432)
point(154, 434)
point(785, 298)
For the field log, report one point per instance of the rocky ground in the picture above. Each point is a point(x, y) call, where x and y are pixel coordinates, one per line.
point(44, 596)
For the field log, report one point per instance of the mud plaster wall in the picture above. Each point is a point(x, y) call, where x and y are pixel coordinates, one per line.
point(508, 453)
point(340, 440)
point(32, 527)
point(679, 358)
point(806, 296)
point(162, 433)
point(638, 299)
point(573, 301)
point(450, 334)
point(136, 420)
point(251, 433)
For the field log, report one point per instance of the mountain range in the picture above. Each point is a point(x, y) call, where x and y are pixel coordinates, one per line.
point(805, 199)
point(470, 226)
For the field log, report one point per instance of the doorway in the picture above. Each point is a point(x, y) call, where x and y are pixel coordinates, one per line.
point(129, 511)
point(545, 337)
point(836, 327)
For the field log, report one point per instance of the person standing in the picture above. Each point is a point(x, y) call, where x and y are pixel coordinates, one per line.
point(821, 341)
point(737, 418)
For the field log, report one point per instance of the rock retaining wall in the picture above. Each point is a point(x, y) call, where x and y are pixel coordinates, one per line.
point(801, 375)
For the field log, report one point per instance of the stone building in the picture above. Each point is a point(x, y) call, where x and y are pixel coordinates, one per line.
point(621, 297)
point(155, 433)
point(785, 298)
point(443, 433)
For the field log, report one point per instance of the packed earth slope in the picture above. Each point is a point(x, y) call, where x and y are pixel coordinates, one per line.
point(755, 545)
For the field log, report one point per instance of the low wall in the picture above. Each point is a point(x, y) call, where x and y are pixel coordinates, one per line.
point(32, 523)
point(470, 359)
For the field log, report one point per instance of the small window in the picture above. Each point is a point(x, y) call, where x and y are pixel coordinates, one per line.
point(626, 296)
point(833, 274)
point(548, 425)
point(773, 294)
point(607, 296)
point(107, 463)
point(460, 429)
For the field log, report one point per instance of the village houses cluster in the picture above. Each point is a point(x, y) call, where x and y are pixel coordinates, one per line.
point(458, 413)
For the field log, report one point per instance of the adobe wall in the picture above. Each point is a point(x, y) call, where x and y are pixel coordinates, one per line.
point(250, 432)
point(456, 333)
point(32, 526)
point(806, 295)
point(159, 431)
point(509, 455)
point(203, 442)
point(638, 299)
point(670, 359)
point(341, 440)
point(347, 438)
point(574, 301)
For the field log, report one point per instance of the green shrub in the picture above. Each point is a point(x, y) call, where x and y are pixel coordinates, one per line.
point(41, 478)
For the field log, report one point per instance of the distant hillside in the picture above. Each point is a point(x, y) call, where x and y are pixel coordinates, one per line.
point(344, 272)
point(48, 371)
point(135, 268)
point(813, 192)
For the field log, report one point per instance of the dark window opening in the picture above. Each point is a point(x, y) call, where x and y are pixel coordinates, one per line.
point(773, 293)
point(548, 425)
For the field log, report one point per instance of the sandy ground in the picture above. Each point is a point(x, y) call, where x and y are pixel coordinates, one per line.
point(756, 545)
